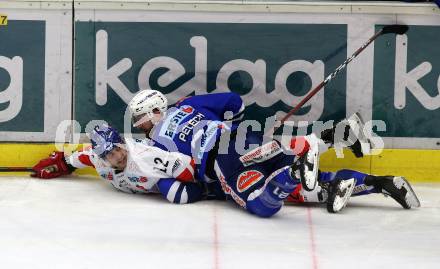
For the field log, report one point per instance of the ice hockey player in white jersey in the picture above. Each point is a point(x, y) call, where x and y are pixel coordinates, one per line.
point(130, 165)
point(256, 181)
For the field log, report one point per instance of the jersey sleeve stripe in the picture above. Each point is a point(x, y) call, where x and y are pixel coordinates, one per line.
point(85, 159)
point(239, 115)
point(177, 199)
point(184, 196)
point(172, 191)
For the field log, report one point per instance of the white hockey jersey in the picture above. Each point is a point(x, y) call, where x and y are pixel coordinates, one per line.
point(149, 170)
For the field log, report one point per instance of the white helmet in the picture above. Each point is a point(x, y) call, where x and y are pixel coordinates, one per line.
point(143, 104)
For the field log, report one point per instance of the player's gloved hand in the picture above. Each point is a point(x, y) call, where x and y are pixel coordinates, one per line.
point(53, 166)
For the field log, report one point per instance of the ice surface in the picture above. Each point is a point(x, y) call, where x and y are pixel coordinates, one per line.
point(84, 223)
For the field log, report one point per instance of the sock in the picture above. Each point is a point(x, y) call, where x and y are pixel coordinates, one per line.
point(268, 200)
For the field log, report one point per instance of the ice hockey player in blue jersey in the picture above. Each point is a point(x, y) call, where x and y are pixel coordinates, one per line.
point(258, 179)
point(196, 127)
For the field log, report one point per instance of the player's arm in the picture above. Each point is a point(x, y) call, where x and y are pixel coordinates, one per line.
point(228, 106)
point(176, 172)
point(163, 164)
point(178, 192)
point(57, 164)
point(81, 159)
point(183, 168)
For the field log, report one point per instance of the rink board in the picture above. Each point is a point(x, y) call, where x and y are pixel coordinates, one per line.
point(53, 73)
point(48, 79)
point(393, 81)
point(35, 70)
point(416, 165)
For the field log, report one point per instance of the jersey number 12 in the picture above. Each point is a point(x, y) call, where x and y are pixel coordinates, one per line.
point(164, 165)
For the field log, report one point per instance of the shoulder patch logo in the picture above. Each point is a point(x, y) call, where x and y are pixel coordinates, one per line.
point(187, 109)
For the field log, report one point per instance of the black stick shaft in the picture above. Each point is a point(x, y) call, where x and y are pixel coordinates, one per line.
point(16, 169)
point(328, 78)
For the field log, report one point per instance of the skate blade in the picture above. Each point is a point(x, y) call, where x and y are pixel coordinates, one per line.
point(410, 197)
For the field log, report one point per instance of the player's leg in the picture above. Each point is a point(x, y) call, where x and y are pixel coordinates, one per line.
point(268, 199)
point(250, 183)
point(254, 188)
point(335, 193)
point(304, 162)
point(253, 181)
point(396, 187)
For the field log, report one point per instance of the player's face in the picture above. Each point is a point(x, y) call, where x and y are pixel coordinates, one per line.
point(143, 122)
point(146, 126)
point(117, 158)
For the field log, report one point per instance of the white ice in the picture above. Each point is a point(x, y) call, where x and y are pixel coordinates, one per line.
point(82, 222)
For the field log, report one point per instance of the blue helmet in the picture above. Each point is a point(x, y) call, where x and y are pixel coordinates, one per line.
point(104, 139)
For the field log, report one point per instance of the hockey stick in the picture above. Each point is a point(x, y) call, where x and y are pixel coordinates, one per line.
point(389, 29)
point(16, 169)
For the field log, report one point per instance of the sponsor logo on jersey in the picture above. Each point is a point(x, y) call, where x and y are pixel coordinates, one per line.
point(248, 179)
point(135, 179)
point(141, 187)
point(189, 126)
point(261, 153)
point(123, 184)
point(172, 122)
point(210, 132)
point(208, 138)
point(176, 166)
point(187, 109)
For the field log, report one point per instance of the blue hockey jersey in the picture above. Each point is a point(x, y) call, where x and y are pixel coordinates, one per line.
point(194, 125)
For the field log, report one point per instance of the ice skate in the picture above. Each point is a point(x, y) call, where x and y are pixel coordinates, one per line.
point(358, 143)
point(396, 187)
point(339, 192)
point(305, 167)
point(362, 145)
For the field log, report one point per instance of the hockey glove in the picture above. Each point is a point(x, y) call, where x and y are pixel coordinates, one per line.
point(53, 166)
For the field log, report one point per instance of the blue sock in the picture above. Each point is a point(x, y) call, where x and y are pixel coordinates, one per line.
point(267, 201)
point(360, 189)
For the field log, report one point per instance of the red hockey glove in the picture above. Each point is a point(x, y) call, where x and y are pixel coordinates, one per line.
point(54, 166)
